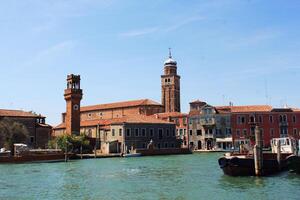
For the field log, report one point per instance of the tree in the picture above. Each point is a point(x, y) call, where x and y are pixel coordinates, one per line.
point(12, 132)
point(71, 143)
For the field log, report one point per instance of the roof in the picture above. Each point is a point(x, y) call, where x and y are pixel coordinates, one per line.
point(248, 108)
point(131, 119)
point(198, 102)
point(170, 114)
point(141, 102)
point(17, 113)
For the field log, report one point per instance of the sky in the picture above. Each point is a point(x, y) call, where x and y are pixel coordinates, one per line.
point(241, 51)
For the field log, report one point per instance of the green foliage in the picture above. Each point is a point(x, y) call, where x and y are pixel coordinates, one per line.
point(72, 143)
point(12, 132)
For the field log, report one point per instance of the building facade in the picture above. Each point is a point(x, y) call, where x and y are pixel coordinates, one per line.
point(209, 128)
point(39, 132)
point(181, 122)
point(273, 123)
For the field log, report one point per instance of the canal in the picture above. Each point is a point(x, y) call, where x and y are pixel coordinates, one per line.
point(194, 176)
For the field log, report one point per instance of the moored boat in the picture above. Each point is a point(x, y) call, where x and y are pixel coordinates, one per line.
point(293, 163)
point(243, 165)
point(234, 164)
point(24, 155)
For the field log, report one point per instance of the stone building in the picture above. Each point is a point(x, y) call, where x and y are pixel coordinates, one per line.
point(39, 131)
point(209, 128)
point(181, 122)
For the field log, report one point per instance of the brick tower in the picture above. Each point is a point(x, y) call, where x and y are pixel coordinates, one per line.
point(170, 86)
point(73, 96)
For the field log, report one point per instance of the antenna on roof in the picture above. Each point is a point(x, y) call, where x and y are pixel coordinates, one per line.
point(170, 53)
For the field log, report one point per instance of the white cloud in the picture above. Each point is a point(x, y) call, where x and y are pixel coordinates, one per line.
point(139, 32)
point(149, 30)
point(255, 38)
point(52, 51)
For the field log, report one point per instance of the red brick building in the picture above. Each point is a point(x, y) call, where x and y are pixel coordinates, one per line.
point(273, 122)
point(39, 131)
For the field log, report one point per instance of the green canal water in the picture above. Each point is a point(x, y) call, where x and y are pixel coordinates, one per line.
point(194, 176)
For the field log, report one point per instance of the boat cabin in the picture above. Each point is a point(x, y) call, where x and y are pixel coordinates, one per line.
point(287, 145)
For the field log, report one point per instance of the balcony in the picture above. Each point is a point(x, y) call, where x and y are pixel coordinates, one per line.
point(283, 123)
point(207, 122)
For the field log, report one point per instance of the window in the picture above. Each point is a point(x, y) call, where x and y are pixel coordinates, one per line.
point(166, 145)
point(144, 132)
point(180, 132)
point(160, 133)
point(210, 131)
point(271, 133)
point(199, 132)
point(120, 132)
point(136, 132)
point(31, 139)
point(237, 132)
point(184, 121)
point(252, 119)
point(245, 132)
point(240, 119)
point(294, 119)
point(191, 132)
point(151, 132)
point(89, 115)
point(172, 145)
point(271, 119)
point(252, 130)
point(158, 145)
point(128, 132)
point(173, 132)
point(295, 131)
point(260, 119)
point(113, 132)
point(168, 133)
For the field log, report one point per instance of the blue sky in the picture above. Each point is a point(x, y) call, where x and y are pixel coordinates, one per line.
point(247, 51)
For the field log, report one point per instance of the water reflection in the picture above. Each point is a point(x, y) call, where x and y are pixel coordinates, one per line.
point(243, 183)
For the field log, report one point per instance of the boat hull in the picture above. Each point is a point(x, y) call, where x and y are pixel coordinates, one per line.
point(33, 158)
point(293, 163)
point(239, 166)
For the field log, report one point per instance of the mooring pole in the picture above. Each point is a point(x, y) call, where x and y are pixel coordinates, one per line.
point(279, 154)
point(258, 155)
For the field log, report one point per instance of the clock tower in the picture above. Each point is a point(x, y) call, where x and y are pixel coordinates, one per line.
point(170, 86)
point(73, 96)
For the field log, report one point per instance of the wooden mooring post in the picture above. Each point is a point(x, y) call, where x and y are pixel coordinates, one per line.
point(279, 154)
point(258, 154)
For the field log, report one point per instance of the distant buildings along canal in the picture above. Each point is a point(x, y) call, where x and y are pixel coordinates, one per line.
point(136, 124)
point(39, 133)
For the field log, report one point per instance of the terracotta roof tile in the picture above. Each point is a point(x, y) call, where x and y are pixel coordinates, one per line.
point(17, 113)
point(170, 114)
point(133, 103)
point(248, 108)
point(133, 119)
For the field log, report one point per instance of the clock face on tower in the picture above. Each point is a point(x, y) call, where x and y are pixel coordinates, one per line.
point(75, 107)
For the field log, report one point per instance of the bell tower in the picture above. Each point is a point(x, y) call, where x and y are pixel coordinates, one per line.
point(170, 86)
point(73, 96)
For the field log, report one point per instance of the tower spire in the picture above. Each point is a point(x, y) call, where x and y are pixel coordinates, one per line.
point(170, 53)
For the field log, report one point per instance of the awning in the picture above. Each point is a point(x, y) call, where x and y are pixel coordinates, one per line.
point(228, 139)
